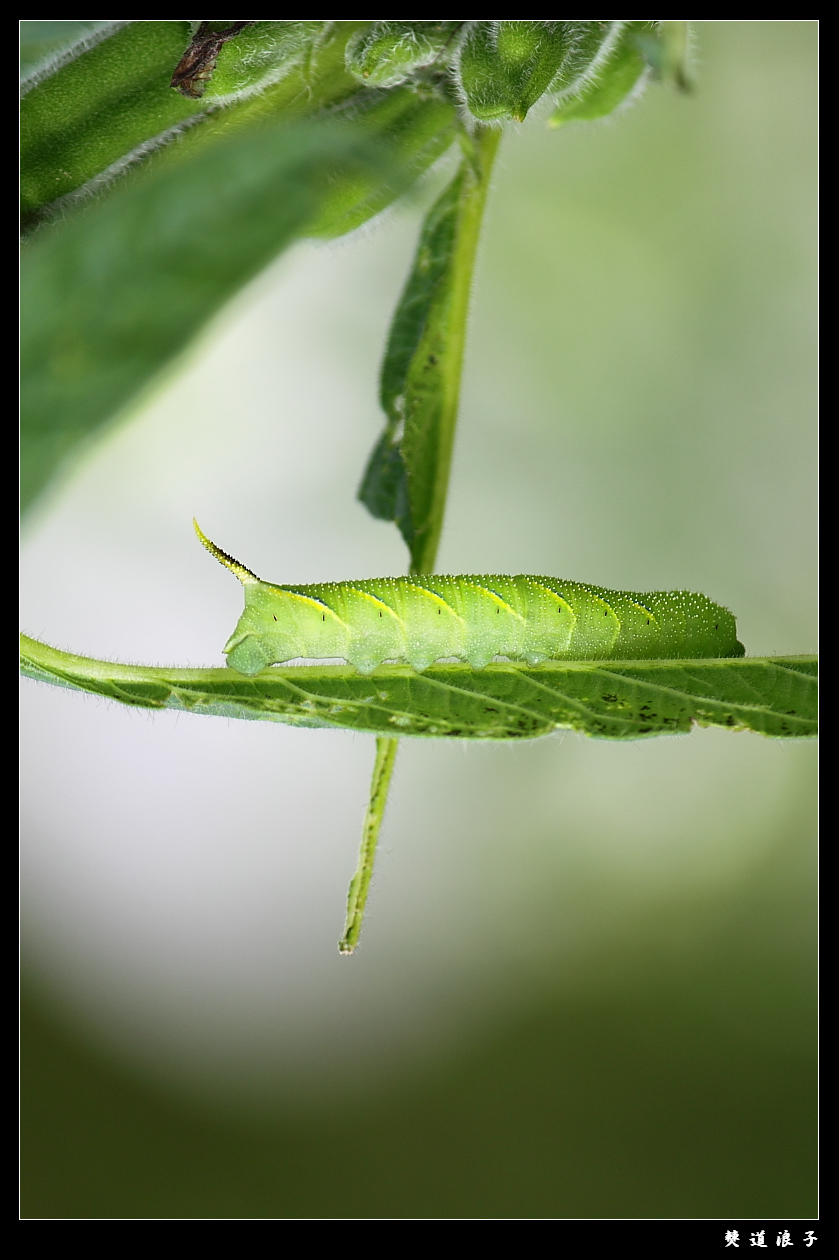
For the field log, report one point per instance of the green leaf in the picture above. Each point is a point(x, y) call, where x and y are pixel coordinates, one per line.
point(407, 476)
point(262, 53)
point(113, 104)
point(410, 131)
point(388, 53)
point(384, 487)
point(98, 108)
point(506, 66)
point(618, 77)
point(775, 696)
point(43, 45)
point(110, 296)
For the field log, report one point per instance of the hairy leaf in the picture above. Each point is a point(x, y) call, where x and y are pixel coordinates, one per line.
point(505, 67)
point(44, 46)
point(775, 696)
point(261, 54)
point(115, 103)
point(98, 108)
point(618, 77)
point(388, 53)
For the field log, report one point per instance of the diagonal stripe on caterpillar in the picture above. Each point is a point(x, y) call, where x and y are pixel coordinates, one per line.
point(421, 619)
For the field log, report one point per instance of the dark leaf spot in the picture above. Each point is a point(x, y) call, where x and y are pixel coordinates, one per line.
point(195, 69)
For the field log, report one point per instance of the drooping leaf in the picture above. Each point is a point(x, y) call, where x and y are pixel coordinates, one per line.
point(407, 475)
point(384, 486)
point(774, 696)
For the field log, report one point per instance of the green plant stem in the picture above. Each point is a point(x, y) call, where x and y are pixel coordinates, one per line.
point(360, 883)
point(479, 158)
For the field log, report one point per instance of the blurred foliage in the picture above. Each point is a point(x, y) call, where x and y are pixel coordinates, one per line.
point(112, 296)
point(675, 1079)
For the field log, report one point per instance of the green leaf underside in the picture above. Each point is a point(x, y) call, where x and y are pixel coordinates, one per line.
point(773, 696)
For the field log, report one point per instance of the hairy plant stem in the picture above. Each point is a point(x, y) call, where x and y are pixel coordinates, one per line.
point(479, 156)
point(360, 883)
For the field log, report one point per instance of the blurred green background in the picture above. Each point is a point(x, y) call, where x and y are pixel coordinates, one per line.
point(586, 985)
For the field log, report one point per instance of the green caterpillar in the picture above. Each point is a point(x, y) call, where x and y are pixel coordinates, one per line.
point(420, 620)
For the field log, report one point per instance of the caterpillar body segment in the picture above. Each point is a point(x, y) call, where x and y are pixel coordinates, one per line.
point(421, 619)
